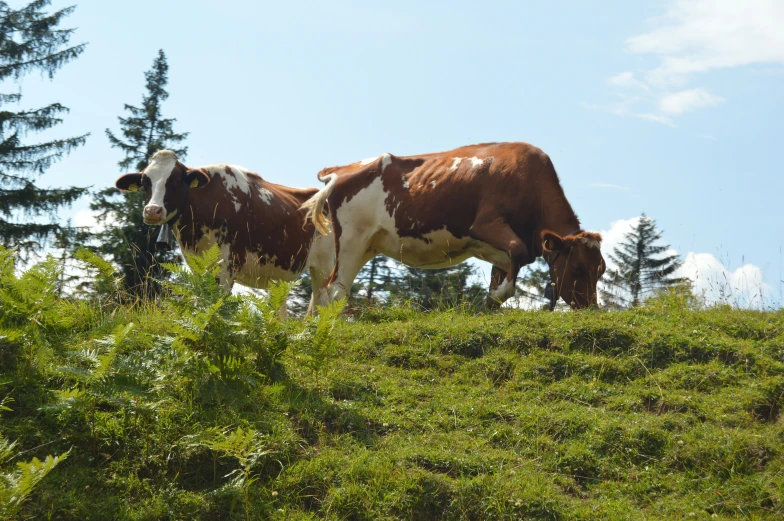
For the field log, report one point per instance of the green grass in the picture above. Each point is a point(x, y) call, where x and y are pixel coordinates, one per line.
point(663, 412)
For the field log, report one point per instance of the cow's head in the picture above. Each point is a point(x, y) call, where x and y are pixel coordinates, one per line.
point(576, 264)
point(165, 182)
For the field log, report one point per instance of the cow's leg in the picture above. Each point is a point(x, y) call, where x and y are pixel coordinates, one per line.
point(346, 270)
point(226, 278)
point(494, 231)
point(228, 270)
point(497, 276)
point(353, 253)
point(320, 296)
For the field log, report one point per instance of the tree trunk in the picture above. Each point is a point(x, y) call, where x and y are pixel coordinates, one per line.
point(371, 278)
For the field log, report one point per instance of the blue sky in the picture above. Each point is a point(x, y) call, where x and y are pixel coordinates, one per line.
point(672, 107)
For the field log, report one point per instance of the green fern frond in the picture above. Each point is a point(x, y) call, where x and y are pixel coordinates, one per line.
point(278, 293)
point(11, 334)
point(105, 268)
point(16, 487)
point(7, 449)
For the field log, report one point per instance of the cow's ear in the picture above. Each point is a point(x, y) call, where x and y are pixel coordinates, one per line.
point(129, 182)
point(552, 241)
point(196, 178)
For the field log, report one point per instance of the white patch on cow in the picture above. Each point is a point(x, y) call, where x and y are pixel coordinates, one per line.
point(158, 171)
point(504, 291)
point(235, 179)
point(475, 162)
point(266, 196)
point(455, 164)
point(386, 161)
point(405, 183)
point(432, 184)
point(367, 161)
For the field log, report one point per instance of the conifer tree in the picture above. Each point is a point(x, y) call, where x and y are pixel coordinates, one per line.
point(30, 40)
point(642, 265)
point(126, 238)
point(536, 276)
point(377, 275)
point(438, 288)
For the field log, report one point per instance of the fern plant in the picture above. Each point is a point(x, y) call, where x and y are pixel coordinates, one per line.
point(32, 311)
point(235, 336)
point(316, 343)
point(16, 485)
point(91, 373)
point(247, 446)
point(102, 282)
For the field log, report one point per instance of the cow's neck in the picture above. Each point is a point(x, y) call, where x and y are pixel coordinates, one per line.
point(557, 213)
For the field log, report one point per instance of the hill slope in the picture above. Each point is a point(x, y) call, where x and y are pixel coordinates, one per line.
point(204, 408)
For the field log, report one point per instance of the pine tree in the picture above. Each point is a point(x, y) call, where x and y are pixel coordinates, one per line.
point(438, 288)
point(126, 238)
point(642, 265)
point(30, 40)
point(377, 275)
point(535, 276)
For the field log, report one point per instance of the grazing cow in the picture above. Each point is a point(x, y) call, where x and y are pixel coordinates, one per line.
point(261, 231)
point(500, 202)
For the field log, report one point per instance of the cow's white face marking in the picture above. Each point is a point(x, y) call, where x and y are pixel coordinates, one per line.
point(455, 164)
point(386, 161)
point(367, 161)
point(158, 171)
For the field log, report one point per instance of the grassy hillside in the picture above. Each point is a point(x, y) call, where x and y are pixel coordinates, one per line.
point(206, 407)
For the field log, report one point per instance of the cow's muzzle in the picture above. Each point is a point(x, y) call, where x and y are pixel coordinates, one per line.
point(153, 214)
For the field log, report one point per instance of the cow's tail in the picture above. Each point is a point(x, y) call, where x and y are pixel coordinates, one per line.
point(314, 207)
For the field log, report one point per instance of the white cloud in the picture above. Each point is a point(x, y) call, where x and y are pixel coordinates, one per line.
point(712, 280)
point(623, 109)
point(614, 236)
point(695, 37)
point(716, 283)
point(679, 102)
point(627, 80)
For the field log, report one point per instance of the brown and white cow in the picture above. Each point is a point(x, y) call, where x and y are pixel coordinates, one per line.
point(261, 231)
point(500, 202)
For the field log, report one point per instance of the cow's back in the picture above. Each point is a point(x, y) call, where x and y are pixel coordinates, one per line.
point(425, 193)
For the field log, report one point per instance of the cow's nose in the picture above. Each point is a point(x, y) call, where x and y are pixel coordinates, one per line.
point(153, 212)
